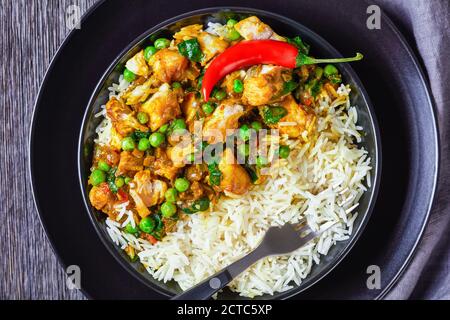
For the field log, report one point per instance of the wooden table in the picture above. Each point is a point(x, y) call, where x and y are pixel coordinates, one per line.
point(31, 32)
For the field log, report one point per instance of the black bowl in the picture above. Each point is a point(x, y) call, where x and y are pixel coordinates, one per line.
point(283, 26)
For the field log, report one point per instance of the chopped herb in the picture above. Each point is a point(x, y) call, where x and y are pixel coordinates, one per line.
point(214, 174)
point(158, 232)
point(335, 78)
point(318, 72)
point(198, 205)
point(298, 42)
point(138, 135)
point(251, 173)
point(200, 80)
point(273, 114)
point(191, 50)
point(111, 180)
point(289, 86)
point(316, 89)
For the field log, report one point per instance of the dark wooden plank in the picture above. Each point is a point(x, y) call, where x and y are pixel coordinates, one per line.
point(31, 32)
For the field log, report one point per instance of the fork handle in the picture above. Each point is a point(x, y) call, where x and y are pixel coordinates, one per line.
point(208, 287)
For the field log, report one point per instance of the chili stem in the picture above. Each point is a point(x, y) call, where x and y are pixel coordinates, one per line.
point(303, 59)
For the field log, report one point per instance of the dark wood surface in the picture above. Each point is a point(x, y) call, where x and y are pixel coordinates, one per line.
point(31, 32)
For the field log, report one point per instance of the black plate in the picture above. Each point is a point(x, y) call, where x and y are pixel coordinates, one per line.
point(284, 26)
point(390, 74)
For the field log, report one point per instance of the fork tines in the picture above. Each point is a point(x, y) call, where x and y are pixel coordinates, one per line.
point(303, 229)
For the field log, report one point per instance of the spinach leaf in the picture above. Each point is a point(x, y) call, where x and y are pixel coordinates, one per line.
point(289, 86)
point(191, 50)
point(158, 232)
point(198, 205)
point(110, 179)
point(273, 114)
point(315, 89)
point(214, 174)
point(138, 135)
point(335, 78)
point(298, 42)
point(314, 86)
point(251, 173)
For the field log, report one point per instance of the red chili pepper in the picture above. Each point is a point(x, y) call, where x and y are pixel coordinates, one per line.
point(150, 238)
point(122, 195)
point(308, 102)
point(251, 52)
point(104, 187)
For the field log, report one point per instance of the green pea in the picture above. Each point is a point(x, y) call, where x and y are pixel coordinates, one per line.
point(220, 94)
point(244, 149)
point(182, 184)
point(168, 209)
point(156, 139)
point(128, 144)
point(330, 70)
point(256, 125)
point(144, 144)
point(149, 51)
point(238, 86)
point(208, 108)
point(119, 182)
point(142, 117)
point(284, 151)
point(128, 75)
point(161, 43)
point(261, 161)
point(171, 195)
point(128, 180)
point(233, 35)
point(163, 128)
point(102, 165)
point(130, 229)
point(244, 132)
point(147, 224)
point(97, 176)
point(231, 22)
point(178, 124)
point(176, 85)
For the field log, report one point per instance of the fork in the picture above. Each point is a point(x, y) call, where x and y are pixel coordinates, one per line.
point(277, 241)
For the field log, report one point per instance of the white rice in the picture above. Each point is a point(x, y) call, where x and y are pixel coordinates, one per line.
point(322, 180)
point(217, 29)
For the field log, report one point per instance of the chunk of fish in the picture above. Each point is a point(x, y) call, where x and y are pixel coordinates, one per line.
point(235, 180)
point(129, 163)
point(147, 191)
point(168, 65)
point(263, 84)
point(210, 45)
point(122, 117)
point(138, 65)
point(252, 28)
point(299, 120)
point(225, 116)
point(140, 93)
point(162, 107)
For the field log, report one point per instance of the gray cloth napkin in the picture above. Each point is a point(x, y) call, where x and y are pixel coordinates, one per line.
point(426, 23)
